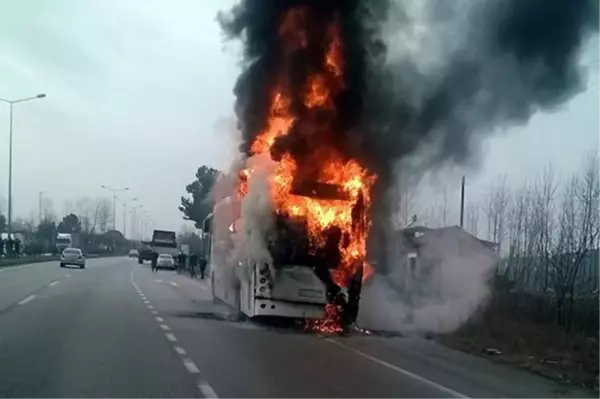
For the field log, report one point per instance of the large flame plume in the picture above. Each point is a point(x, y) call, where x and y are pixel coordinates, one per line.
point(324, 163)
point(313, 178)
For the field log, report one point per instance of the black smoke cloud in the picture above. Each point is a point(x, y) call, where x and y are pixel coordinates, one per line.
point(508, 60)
point(498, 63)
point(257, 23)
point(514, 58)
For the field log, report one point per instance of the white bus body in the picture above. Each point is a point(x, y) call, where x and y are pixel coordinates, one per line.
point(294, 292)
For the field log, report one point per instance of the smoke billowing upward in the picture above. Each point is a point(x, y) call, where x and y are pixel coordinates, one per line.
point(316, 54)
point(515, 58)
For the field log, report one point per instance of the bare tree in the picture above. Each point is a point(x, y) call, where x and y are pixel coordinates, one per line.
point(495, 209)
point(472, 215)
point(68, 207)
point(86, 208)
point(444, 206)
point(48, 212)
point(103, 214)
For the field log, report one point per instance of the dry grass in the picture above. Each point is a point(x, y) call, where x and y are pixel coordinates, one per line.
point(542, 349)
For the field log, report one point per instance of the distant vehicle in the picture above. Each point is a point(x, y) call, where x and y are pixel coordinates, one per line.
point(72, 256)
point(133, 253)
point(166, 261)
point(163, 242)
point(145, 253)
point(67, 240)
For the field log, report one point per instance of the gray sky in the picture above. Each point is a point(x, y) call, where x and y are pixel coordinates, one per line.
point(140, 96)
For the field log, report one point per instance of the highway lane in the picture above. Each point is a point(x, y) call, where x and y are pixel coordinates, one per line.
point(89, 335)
point(19, 282)
point(119, 330)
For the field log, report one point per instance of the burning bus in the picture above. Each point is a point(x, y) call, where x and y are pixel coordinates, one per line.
point(289, 238)
point(279, 249)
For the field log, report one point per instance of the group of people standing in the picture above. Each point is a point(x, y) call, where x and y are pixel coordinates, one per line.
point(193, 260)
point(10, 247)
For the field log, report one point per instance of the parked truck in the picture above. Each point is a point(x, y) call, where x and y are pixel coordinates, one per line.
point(68, 240)
point(145, 252)
point(163, 242)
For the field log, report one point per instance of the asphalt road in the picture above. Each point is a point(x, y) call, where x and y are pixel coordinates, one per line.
point(115, 329)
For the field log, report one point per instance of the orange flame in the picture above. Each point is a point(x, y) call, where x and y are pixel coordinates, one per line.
point(333, 168)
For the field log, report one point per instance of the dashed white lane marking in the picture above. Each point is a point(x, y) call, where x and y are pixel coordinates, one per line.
point(28, 299)
point(207, 390)
point(180, 350)
point(171, 337)
point(204, 387)
point(146, 302)
point(173, 283)
point(423, 380)
point(68, 275)
point(52, 284)
point(191, 366)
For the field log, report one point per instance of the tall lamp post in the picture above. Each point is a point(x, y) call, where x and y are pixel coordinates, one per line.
point(10, 141)
point(134, 208)
point(115, 191)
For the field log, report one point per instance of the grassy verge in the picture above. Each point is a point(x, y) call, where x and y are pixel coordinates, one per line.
point(542, 349)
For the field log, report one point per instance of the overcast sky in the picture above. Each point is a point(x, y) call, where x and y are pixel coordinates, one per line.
point(139, 94)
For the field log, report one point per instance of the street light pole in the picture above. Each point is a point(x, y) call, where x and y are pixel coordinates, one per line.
point(10, 145)
point(125, 220)
point(115, 191)
point(134, 208)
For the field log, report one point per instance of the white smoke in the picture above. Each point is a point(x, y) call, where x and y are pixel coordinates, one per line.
point(449, 285)
point(257, 218)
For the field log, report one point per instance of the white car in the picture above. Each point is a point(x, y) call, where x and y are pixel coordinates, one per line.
point(133, 253)
point(165, 260)
point(72, 256)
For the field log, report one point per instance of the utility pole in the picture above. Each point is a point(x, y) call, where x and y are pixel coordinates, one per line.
point(124, 220)
point(462, 202)
point(40, 199)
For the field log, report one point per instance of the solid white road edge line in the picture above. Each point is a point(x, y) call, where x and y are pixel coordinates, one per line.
point(399, 370)
point(28, 299)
